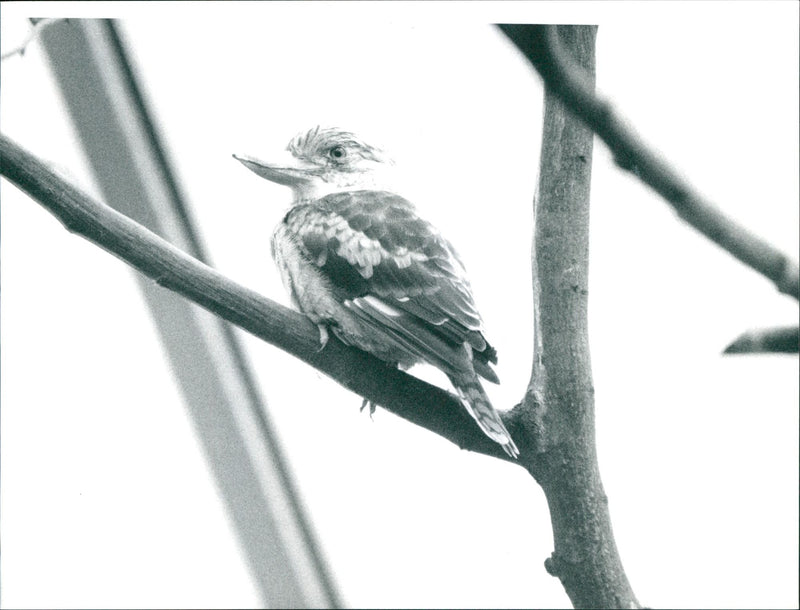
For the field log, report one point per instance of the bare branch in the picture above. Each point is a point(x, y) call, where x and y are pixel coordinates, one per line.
point(398, 392)
point(785, 340)
point(541, 46)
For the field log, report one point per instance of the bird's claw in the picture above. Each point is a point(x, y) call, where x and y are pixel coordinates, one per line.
point(323, 337)
point(368, 403)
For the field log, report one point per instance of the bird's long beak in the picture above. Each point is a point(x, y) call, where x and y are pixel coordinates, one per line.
point(289, 171)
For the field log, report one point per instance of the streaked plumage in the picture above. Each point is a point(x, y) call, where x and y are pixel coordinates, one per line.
point(359, 261)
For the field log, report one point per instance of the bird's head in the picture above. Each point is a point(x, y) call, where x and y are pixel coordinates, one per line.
point(323, 161)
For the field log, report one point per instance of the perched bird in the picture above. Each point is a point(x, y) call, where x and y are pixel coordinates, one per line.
point(359, 261)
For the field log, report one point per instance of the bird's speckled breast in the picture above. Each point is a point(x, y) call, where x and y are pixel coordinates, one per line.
point(309, 289)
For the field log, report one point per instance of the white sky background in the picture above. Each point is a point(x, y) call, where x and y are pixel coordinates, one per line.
point(106, 500)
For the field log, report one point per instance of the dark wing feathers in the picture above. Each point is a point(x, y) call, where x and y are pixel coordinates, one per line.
point(411, 333)
point(372, 243)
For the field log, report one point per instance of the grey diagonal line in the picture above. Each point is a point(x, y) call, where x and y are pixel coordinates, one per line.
point(131, 170)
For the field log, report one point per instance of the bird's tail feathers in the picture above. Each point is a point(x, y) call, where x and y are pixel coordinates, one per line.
point(477, 404)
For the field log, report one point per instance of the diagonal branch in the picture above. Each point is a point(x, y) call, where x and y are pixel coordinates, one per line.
point(402, 394)
point(541, 46)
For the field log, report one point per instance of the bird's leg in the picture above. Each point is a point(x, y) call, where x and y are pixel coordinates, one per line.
point(373, 406)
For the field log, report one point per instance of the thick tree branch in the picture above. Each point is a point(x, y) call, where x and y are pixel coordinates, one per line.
point(540, 45)
point(558, 409)
point(783, 340)
point(398, 392)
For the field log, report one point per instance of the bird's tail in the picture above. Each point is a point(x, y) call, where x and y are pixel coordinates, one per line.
point(477, 404)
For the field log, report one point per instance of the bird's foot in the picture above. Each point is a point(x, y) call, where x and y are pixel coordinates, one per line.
point(368, 403)
point(323, 336)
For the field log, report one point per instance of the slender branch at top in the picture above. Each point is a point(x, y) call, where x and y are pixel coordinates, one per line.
point(402, 394)
point(541, 46)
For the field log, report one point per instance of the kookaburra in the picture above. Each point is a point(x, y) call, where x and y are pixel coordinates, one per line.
point(359, 261)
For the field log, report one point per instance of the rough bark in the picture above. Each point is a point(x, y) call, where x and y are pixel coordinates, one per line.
point(558, 409)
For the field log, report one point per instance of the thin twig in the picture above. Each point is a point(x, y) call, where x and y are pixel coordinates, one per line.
point(38, 26)
point(541, 46)
point(782, 340)
point(402, 394)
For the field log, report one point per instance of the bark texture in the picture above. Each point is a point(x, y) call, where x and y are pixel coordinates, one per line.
point(558, 409)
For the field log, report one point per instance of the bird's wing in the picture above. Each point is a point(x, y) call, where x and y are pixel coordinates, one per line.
point(394, 269)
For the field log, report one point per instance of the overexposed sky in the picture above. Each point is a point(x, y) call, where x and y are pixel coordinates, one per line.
point(106, 500)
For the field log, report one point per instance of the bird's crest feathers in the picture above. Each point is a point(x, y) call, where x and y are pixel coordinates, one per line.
point(319, 143)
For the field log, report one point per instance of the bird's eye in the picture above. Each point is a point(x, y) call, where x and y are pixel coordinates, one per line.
point(337, 152)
